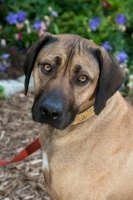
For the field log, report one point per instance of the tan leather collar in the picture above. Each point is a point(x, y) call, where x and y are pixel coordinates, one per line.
point(84, 115)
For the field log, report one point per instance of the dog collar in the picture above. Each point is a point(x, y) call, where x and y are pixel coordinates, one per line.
point(84, 115)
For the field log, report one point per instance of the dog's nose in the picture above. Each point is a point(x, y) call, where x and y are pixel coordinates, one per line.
point(50, 110)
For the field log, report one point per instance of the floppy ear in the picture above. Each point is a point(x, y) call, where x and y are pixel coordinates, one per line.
point(110, 79)
point(32, 55)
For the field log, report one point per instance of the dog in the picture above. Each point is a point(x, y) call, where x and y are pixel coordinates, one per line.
point(87, 139)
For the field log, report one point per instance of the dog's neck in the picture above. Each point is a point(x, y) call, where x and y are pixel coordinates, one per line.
point(84, 115)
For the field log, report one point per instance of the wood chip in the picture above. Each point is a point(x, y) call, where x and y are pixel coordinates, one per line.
point(22, 180)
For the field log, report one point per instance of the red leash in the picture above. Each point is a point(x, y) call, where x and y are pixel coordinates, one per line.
point(31, 148)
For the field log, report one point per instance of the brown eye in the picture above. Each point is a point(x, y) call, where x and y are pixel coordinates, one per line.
point(47, 67)
point(82, 79)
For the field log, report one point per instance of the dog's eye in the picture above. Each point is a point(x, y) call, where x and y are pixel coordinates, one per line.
point(46, 68)
point(82, 79)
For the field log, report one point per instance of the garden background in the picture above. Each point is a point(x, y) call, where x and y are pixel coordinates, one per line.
point(108, 23)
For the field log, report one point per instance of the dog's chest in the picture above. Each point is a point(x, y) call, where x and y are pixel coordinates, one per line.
point(78, 171)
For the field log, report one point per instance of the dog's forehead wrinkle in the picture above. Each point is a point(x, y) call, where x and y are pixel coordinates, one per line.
point(52, 53)
point(77, 45)
point(69, 58)
point(58, 59)
point(77, 68)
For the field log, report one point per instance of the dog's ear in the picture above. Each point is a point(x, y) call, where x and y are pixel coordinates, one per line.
point(32, 55)
point(110, 79)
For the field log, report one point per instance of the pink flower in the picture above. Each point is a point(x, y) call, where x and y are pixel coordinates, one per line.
point(41, 32)
point(43, 26)
point(13, 50)
point(18, 36)
point(20, 25)
point(42, 29)
point(106, 4)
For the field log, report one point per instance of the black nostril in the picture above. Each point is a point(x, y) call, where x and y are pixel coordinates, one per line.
point(50, 112)
point(55, 115)
point(43, 111)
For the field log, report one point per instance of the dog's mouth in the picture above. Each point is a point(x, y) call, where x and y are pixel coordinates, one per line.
point(58, 122)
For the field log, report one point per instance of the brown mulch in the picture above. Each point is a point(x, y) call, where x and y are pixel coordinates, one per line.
point(22, 180)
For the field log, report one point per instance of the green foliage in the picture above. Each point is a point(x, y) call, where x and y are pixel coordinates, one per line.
point(74, 17)
point(2, 95)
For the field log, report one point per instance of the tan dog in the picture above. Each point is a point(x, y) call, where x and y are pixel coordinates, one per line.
point(87, 156)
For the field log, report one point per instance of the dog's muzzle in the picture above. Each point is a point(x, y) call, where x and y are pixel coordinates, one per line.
point(51, 109)
point(54, 109)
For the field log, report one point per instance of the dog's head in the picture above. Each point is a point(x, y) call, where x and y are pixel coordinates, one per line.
point(70, 75)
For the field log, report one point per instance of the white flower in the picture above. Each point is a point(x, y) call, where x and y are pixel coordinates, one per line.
point(28, 29)
point(16, 36)
point(126, 70)
point(46, 18)
point(122, 28)
point(131, 77)
point(130, 85)
point(3, 42)
point(26, 22)
point(50, 8)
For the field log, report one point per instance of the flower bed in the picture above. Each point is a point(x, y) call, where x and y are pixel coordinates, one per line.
point(108, 23)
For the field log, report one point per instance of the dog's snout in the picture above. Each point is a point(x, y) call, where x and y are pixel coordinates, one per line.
point(51, 110)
